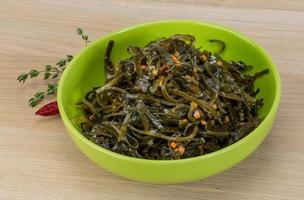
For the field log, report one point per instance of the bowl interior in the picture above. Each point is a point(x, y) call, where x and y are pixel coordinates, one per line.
point(87, 68)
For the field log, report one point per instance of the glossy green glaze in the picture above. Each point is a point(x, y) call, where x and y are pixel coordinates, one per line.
point(86, 71)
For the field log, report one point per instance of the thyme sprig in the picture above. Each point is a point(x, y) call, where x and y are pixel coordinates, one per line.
point(50, 72)
point(84, 36)
point(39, 96)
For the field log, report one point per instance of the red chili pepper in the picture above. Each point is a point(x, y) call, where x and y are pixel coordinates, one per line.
point(48, 109)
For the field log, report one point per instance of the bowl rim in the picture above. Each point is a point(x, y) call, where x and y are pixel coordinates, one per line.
point(263, 124)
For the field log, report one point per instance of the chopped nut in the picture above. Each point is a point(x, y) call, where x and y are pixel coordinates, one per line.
point(173, 145)
point(226, 120)
point(219, 63)
point(193, 104)
point(196, 114)
point(188, 78)
point(214, 106)
point(181, 149)
point(175, 59)
point(155, 72)
point(204, 58)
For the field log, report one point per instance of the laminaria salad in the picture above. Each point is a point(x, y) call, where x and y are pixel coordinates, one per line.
point(171, 100)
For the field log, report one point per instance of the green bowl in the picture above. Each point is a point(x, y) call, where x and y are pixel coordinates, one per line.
point(87, 70)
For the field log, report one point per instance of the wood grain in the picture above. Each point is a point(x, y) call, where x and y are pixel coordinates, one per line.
point(38, 159)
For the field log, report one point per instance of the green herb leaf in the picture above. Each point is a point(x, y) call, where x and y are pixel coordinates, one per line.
point(69, 57)
point(32, 102)
point(61, 62)
point(52, 89)
point(22, 77)
point(38, 97)
point(46, 75)
point(34, 73)
point(84, 36)
point(48, 68)
point(79, 31)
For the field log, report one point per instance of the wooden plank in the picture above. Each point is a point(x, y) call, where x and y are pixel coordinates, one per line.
point(38, 159)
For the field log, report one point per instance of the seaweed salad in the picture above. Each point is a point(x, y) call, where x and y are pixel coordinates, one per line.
point(171, 100)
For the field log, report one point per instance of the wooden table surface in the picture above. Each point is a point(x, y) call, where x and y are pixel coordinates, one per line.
point(39, 161)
